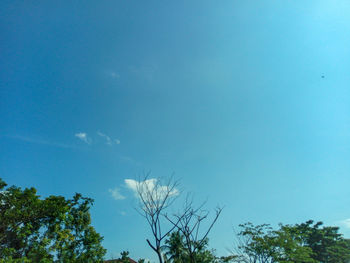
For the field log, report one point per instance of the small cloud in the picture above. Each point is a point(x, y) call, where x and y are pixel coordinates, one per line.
point(116, 194)
point(109, 140)
point(123, 213)
point(345, 223)
point(83, 136)
point(114, 75)
point(150, 186)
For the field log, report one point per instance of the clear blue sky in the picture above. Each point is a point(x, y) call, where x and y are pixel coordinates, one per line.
point(248, 102)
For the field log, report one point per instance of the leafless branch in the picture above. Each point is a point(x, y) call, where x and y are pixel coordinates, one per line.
point(154, 198)
point(189, 222)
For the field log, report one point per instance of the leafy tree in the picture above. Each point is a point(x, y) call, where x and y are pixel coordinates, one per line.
point(53, 229)
point(253, 244)
point(174, 247)
point(300, 243)
point(124, 257)
point(227, 259)
point(288, 247)
point(142, 260)
point(261, 244)
point(176, 251)
point(326, 243)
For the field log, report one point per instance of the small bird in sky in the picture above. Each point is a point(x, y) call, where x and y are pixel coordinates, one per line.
point(322, 76)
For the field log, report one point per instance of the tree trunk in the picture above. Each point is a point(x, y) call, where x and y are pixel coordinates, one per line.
point(159, 256)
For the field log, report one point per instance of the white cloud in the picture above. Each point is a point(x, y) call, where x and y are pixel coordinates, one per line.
point(83, 136)
point(114, 75)
point(132, 184)
point(123, 213)
point(345, 223)
point(150, 186)
point(116, 194)
point(109, 140)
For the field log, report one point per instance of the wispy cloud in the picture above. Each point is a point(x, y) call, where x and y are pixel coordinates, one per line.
point(123, 213)
point(109, 140)
point(114, 75)
point(150, 186)
point(83, 136)
point(345, 223)
point(116, 194)
point(39, 141)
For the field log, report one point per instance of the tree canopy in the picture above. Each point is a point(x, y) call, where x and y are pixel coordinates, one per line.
point(53, 229)
point(176, 251)
point(300, 243)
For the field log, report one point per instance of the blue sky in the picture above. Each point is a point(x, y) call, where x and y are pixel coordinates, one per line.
point(248, 102)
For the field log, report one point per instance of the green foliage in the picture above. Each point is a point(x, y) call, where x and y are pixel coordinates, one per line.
point(288, 247)
point(227, 259)
point(141, 260)
point(53, 229)
point(176, 252)
point(174, 248)
point(304, 243)
point(325, 241)
point(124, 257)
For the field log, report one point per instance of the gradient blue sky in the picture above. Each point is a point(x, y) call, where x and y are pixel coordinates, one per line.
point(227, 94)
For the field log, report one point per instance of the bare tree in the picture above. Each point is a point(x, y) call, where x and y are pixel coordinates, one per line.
point(241, 242)
point(155, 196)
point(189, 222)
